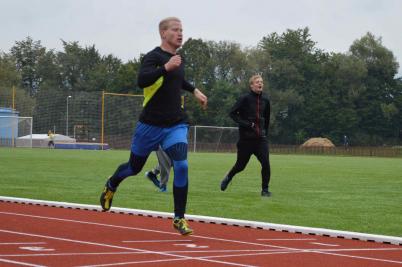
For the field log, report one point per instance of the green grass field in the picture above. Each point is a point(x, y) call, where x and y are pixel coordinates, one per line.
point(344, 193)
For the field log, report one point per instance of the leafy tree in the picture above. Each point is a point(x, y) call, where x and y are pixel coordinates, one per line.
point(292, 73)
point(199, 64)
point(28, 54)
point(9, 76)
point(376, 105)
point(230, 62)
point(77, 63)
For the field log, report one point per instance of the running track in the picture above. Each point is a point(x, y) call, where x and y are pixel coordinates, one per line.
point(41, 234)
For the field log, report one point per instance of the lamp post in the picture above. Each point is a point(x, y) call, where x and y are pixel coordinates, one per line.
point(67, 116)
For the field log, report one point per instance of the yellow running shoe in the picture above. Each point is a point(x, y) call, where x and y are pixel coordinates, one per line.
point(106, 198)
point(180, 224)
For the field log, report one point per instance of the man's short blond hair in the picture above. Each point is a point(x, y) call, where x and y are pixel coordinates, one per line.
point(253, 78)
point(164, 24)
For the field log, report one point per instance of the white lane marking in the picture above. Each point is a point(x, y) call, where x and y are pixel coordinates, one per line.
point(90, 223)
point(194, 236)
point(37, 249)
point(146, 230)
point(191, 246)
point(215, 220)
point(156, 241)
point(285, 239)
point(361, 257)
point(120, 247)
point(73, 254)
point(198, 251)
point(21, 263)
point(324, 244)
point(22, 243)
point(130, 262)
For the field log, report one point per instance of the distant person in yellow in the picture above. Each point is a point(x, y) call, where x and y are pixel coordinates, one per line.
point(51, 139)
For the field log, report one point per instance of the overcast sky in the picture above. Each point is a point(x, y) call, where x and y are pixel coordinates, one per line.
point(126, 28)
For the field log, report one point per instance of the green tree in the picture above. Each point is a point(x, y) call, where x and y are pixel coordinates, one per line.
point(125, 80)
point(9, 76)
point(292, 73)
point(199, 64)
point(77, 63)
point(376, 105)
point(28, 54)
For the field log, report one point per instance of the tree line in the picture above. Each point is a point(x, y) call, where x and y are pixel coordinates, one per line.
point(313, 92)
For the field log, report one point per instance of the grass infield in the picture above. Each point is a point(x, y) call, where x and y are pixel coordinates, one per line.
point(361, 194)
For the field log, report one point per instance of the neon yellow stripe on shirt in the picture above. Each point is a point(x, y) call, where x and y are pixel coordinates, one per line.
point(151, 90)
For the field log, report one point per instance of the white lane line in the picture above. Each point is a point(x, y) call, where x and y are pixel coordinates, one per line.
point(240, 255)
point(89, 223)
point(207, 219)
point(120, 247)
point(198, 251)
point(191, 245)
point(74, 254)
point(286, 239)
point(156, 241)
point(22, 243)
point(361, 257)
point(324, 244)
point(21, 263)
point(146, 230)
point(130, 262)
point(194, 236)
point(37, 249)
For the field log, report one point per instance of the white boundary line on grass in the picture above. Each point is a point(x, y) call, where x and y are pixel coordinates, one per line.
point(215, 220)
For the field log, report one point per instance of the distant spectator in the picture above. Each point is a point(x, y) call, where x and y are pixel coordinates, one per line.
point(345, 141)
point(51, 139)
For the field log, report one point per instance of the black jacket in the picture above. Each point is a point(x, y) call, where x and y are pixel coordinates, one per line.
point(162, 90)
point(251, 112)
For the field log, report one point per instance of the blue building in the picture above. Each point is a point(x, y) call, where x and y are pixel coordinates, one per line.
point(8, 126)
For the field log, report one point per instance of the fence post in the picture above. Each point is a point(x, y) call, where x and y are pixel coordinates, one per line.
point(195, 138)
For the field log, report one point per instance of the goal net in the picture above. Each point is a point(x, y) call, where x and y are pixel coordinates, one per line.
point(120, 113)
point(15, 131)
point(212, 138)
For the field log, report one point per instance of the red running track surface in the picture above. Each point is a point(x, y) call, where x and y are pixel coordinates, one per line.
point(32, 235)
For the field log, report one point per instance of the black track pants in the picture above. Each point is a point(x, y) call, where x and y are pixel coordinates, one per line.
point(259, 148)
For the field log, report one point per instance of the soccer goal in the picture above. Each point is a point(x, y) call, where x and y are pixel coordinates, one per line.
point(15, 131)
point(213, 138)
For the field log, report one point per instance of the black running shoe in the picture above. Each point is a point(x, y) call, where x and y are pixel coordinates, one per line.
point(225, 182)
point(152, 177)
point(266, 193)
